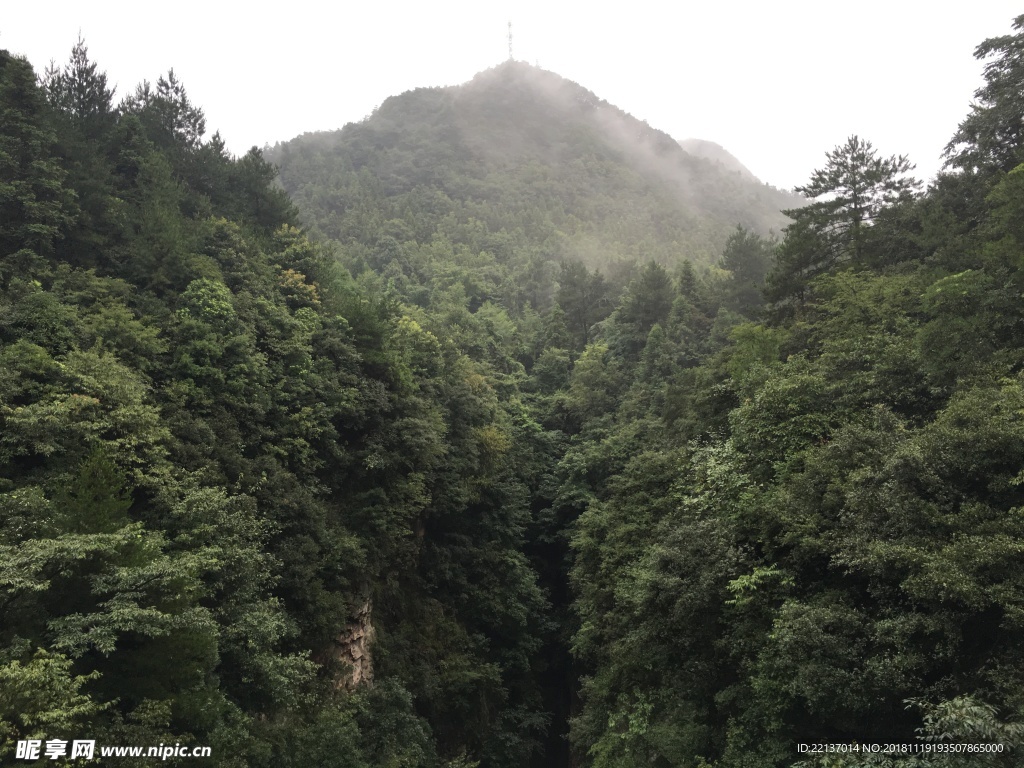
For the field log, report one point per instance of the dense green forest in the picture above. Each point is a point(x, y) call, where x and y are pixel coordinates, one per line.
point(502, 430)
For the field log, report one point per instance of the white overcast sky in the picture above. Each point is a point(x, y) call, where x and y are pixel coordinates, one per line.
point(776, 83)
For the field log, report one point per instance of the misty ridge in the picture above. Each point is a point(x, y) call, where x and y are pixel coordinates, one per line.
point(543, 94)
point(612, 187)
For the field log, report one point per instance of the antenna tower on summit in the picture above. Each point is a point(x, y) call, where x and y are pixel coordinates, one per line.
point(510, 41)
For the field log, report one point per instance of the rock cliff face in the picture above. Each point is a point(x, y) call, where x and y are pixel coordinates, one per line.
point(352, 648)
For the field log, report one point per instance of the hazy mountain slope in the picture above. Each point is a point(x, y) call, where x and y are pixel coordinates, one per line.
point(526, 151)
point(716, 153)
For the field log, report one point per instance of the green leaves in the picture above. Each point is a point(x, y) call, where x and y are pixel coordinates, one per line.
point(41, 697)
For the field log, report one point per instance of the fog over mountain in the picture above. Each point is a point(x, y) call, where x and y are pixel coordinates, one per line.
point(709, 150)
point(524, 143)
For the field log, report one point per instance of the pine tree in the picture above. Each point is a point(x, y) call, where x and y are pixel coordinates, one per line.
point(34, 204)
point(991, 137)
point(748, 258)
point(86, 124)
point(79, 91)
point(849, 193)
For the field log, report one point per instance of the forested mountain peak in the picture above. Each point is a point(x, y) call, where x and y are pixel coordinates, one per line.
point(524, 149)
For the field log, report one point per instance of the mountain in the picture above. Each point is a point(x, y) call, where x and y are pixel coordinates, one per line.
point(526, 151)
point(717, 154)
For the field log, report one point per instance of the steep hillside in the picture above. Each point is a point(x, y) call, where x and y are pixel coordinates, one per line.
point(526, 151)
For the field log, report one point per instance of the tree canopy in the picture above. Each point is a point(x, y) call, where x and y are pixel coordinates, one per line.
point(469, 444)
